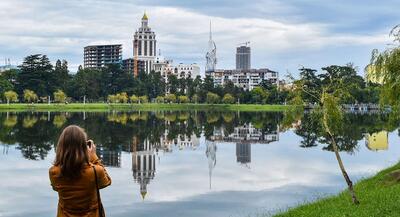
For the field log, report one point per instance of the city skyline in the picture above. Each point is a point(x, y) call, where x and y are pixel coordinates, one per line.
point(282, 38)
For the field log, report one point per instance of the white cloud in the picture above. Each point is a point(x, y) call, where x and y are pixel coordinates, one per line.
point(62, 30)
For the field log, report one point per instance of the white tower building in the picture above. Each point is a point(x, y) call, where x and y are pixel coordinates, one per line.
point(146, 45)
point(211, 56)
point(143, 165)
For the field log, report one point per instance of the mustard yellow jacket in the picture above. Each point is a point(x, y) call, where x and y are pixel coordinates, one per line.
point(78, 197)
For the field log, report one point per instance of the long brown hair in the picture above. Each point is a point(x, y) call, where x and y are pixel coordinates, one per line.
point(72, 151)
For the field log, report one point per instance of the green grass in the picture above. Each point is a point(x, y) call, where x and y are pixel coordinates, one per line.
point(378, 195)
point(142, 107)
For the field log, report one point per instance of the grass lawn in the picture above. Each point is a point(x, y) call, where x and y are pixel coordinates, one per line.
point(132, 107)
point(378, 195)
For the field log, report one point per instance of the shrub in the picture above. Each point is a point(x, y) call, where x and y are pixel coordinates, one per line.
point(212, 98)
point(228, 99)
point(171, 98)
point(143, 99)
point(112, 98)
point(159, 99)
point(183, 99)
point(11, 96)
point(134, 99)
point(30, 96)
point(60, 96)
point(122, 97)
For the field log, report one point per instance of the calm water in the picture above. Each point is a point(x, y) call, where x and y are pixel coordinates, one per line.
point(192, 163)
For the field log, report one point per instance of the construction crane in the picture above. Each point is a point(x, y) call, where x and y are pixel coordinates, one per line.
point(135, 58)
point(244, 43)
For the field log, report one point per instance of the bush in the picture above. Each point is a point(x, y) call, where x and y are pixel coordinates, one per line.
point(122, 97)
point(171, 98)
point(11, 96)
point(183, 99)
point(112, 98)
point(159, 99)
point(212, 98)
point(143, 99)
point(60, 96)
point(134, 99)
point(30, 96)
point(228, 99)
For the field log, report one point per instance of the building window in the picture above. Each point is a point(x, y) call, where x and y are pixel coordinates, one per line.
point(151, 47)
point(145, 47)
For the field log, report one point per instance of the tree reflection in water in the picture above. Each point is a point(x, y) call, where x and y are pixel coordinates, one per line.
point(146, 134)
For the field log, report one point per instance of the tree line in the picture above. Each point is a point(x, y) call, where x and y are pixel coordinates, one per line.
point(37, 80)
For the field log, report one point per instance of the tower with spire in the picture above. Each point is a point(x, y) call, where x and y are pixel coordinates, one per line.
point(143, 165)
point(145, 44)
point(211, 56)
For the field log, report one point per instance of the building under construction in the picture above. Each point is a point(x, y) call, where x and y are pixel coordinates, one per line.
point(97, 56)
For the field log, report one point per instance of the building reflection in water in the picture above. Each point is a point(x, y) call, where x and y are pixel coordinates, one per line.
point(243, 153)
point(143, 164)
point(144, 155)
point(244, 136)
point(377, 141)
point(211, 153)
point(110, 158)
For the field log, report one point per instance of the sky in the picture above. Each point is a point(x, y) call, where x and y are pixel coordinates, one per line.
point(283, 35)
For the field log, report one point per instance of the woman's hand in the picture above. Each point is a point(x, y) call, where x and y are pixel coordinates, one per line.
point(91, 148)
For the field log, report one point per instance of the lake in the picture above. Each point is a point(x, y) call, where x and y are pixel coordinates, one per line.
point(193, 163)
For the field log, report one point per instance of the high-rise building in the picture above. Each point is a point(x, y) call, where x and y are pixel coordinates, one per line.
point(243, 58)
point(97, 56)
point(211, 56)
point(145, 44)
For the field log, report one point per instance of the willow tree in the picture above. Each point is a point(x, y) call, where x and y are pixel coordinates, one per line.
point(385, 68)
point(328, 98)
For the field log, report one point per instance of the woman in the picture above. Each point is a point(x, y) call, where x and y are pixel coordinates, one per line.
point(73, 175)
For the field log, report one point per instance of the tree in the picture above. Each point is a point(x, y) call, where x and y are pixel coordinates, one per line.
point(5, 85)
point(134, 99)
point(195, 98)
point(259, 95)
point(173, 84)
point(385, 68)
point(122, 97)
point(11, 96)
point(30, 96)
point(228, 99)
point(60, 96)
point(328, 98)
point(159, 99)
point(143, 99)
point(86, 83)
point(37, 75)
point(212, 98)
point(61, 76)
point(170, 98)
point(112, 98)
point(183, 99)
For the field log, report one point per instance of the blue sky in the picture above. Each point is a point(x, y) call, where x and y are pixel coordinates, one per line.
point(284, 35)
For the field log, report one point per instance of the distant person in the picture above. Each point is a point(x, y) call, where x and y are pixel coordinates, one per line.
point(73, 175)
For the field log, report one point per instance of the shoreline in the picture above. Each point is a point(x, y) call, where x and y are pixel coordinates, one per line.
point(378, 196)
point(139, 107)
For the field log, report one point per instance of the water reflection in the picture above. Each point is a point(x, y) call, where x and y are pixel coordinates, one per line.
point(377, 141)
point(150, 136)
